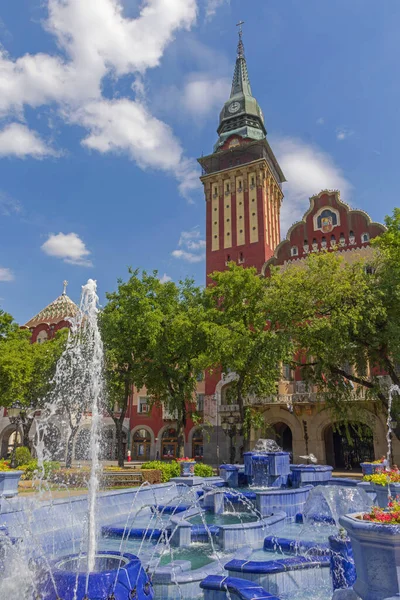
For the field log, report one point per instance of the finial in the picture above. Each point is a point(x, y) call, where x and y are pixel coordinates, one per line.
point(240, 51)
point(65, 283)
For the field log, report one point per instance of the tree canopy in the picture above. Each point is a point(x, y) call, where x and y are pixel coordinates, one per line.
point(243, 339)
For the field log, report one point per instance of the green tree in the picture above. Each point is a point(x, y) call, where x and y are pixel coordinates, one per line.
point(344, 321)
point(26, 372)
point(243, 340)
point(129, 326)
point(179, 351)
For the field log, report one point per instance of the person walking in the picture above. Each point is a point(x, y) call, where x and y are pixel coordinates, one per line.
point(128, 454)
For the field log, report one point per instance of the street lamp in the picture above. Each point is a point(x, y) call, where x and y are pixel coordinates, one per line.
point(14, 415)
point(231, 427)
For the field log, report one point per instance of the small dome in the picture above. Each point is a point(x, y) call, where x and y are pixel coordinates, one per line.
point(61, 309)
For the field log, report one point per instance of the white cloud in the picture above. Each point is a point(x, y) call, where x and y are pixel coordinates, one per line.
point(19, 141)
point(96, 41)
point(308, 170)
point(212, 6)
point(204, 94)
point(69, 247)
point(165, 278)
point(124, 126)
point(342, 133)
point(191, 247)
point(8, 205)
point(320, 121)
point(6, 274)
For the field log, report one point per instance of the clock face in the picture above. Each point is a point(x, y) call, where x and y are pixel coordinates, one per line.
point(234, 107)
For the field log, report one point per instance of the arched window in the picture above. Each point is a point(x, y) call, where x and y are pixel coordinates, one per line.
point(197, 445)
point(294, 251)
point(141, 445)
point(42, 337)
point(365, 238)
point(169, 443)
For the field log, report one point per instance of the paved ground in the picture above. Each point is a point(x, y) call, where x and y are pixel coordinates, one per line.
point(55, 493)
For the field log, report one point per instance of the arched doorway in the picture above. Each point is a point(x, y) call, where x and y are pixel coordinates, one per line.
point(346, 449)
point(141, 444)
point(282, 434)
point(169, 443)
point(197, 445)
point(11, 439)
point(107, 444)
point(82, 445)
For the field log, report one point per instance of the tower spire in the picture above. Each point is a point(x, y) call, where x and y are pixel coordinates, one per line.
point(240, 82)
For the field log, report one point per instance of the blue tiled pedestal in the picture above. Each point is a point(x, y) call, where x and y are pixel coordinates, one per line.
point(270, 469)
point(310, 474)
point(230, 474)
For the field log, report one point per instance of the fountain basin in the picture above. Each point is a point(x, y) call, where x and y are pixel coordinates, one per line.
point(286, 575)
point(290, 500)
point(115, 572)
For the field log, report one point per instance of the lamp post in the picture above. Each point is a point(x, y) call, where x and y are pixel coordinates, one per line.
point(14, 415)
point(231, 427)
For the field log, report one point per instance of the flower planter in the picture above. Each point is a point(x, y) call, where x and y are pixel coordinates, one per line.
point(372, 468)
point(9, 483)
point(382, 493)
point(376, 550)
point(187, 468)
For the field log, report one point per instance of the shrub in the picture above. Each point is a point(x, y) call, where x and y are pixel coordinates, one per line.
point(168, 470)
point(22, 455)
point(31, 468)
point(203, 470)
point(4, 465)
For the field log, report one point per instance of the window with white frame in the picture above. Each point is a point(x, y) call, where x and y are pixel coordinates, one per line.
point(365, 238)
point(286, 372)
point(200, 402)
point(143, 404)
point(294, 251)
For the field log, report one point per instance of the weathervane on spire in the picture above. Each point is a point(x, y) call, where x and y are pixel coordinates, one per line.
point(240, 52)
point(65, 283)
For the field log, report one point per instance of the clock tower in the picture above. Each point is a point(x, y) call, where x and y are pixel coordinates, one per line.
point(242, 182)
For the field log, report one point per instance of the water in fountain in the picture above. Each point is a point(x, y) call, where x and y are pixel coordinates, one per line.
point(78, 389)
point(264, 445)
point(330, 502)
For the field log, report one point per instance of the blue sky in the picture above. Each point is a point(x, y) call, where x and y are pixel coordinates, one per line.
point(105, 105)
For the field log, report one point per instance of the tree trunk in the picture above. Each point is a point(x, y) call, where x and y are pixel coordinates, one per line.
point(120, 446)
point(242, 412)
point(181, 424)
point(70, 447)
point(26, 427)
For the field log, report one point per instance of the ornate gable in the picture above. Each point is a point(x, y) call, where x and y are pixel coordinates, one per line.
point(329, 224)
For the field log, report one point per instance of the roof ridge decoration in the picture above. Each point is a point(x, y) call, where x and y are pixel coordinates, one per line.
point(61, 309)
